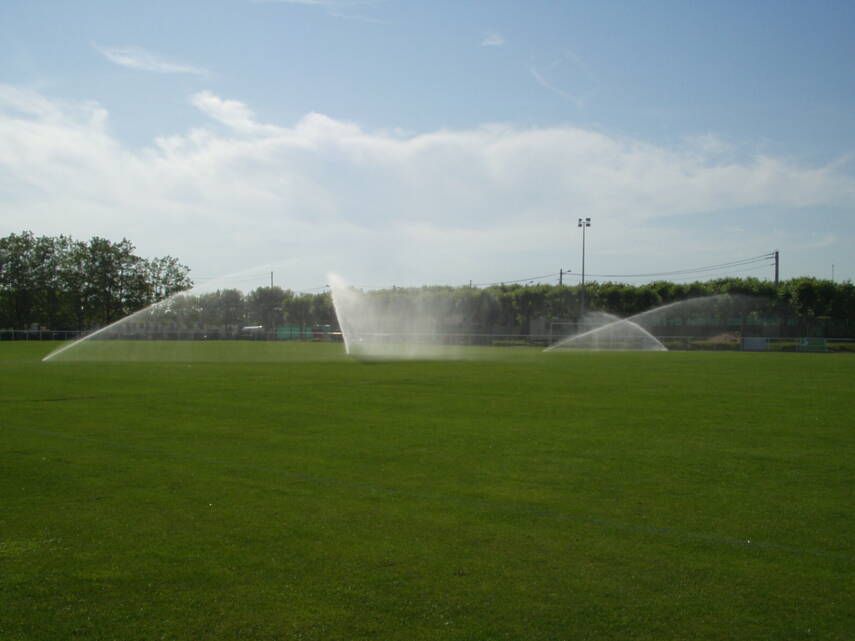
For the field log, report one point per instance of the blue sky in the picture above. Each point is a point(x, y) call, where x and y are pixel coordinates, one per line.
point(404, 142)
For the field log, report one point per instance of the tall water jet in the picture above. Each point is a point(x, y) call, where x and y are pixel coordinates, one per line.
point(401, 324)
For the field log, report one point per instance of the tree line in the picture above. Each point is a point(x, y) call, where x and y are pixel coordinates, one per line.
point(800, 306)
point(60, 283)
point(805, 304)
point(57, 282)
point(227, 313)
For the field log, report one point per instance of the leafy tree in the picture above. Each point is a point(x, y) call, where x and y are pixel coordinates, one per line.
point(299, 310)
point(322, 312)
point(232, 310)
point(17, 279)
point(61, 283)
point(265, 306)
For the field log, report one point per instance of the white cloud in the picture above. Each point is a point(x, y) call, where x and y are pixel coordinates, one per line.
point(490, 203)
point(137, 58)
point(493, 39)
point(231, 113)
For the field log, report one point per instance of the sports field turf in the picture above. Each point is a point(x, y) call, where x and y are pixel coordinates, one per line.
point(295, 494)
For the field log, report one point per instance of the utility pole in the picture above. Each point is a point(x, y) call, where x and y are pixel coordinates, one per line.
point(271, 280)
point(583, 223)
point(560, 277)
point(777, 266)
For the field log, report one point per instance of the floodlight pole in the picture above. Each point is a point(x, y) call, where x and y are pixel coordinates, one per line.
point(583, 223)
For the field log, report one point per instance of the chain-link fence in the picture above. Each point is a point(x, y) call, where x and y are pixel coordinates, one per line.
point(727, 342)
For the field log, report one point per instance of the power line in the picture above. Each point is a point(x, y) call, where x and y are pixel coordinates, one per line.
point(518, 280)
point(742, 262)
point(752, 263)
point(239, 278)
point(694, 270)
point(741, 271)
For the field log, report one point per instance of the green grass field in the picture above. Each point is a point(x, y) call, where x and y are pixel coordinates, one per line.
point(287, 492)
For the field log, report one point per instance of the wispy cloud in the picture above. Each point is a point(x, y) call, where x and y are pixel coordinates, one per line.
point(336, 8)
point(709, 143)
point(322, 3)
point(317, 3)
point(543, 82)
point(573, 70)
point(493, 39)
point(353, 16)
point(333, 6)
point(138, 58)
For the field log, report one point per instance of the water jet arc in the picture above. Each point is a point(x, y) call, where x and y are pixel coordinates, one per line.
point(632, 327)
point(618, 334)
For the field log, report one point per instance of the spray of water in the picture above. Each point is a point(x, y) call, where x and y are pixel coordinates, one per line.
point(103, 333)
point(164, 331)
point(610, 333)
point(180, 327)
point(607, 331)
point(415, 324)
